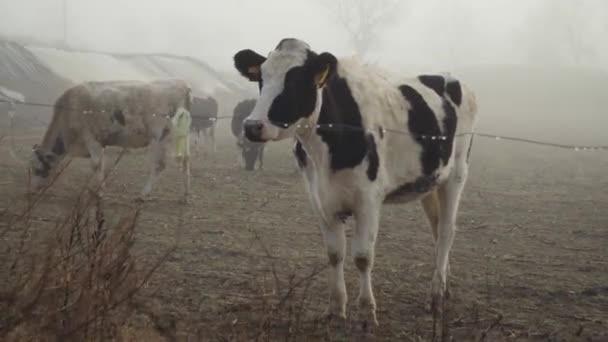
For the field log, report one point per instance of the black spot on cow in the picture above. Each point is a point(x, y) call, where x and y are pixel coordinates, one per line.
point(454, 89)
point(372, 157)
point(164, 133)
point(346, 141)
point(362, 263)
point(422, 122)
point(111, 139)
point(381, 132)
point(119, 116)
point(469, 149)
point(343, 215)
point(58, 147)
point(435, 82)
point(438, 83)
point(449, 129)
point(421, 185)
point(334, 259)
point(45, 168)
point(299, 95)
point(300, 155)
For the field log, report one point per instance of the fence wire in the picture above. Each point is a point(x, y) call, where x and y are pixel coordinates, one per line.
point(345, 128)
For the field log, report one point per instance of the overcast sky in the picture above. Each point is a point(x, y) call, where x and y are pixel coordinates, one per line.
point(429, 33)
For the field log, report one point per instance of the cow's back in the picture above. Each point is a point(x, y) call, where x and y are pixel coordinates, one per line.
point(119, 113)
point(414, 123)
point(241, 111)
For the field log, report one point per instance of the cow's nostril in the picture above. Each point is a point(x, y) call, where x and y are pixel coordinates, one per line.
point(253, 129)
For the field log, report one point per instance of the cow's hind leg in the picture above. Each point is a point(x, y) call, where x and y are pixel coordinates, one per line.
point(335, 241)
point(157, 154)
point(198, 140)
point(449, 194)
point(212, 136)
point(430, 204)
point(367, 218)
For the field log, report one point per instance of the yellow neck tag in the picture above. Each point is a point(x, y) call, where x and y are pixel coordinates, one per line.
point(323, 75)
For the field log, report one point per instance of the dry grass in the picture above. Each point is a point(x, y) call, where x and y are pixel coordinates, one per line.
point(73, 282)
point(528, 262)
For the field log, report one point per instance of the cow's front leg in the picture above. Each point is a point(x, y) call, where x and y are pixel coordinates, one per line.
point(335, 241)
point(261, 158)
point(96, 152)
point(157, 155)
point(364, 239)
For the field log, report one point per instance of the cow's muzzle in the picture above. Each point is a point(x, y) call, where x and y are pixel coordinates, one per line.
point(253, 130)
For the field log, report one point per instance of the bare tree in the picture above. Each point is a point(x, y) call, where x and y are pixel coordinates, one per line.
point(561, 32)
point(363, 20)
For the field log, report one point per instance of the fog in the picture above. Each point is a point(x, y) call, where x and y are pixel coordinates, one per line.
point(542, 61)
point(430, 34)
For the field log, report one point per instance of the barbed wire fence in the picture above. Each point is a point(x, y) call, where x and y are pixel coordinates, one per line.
point(345, 127)
point(338, 128)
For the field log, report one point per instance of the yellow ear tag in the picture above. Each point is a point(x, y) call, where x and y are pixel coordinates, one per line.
point(323, 76)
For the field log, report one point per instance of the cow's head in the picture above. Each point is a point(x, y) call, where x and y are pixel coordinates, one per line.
point(250, 152)
point(290, 81)
point(42, 166)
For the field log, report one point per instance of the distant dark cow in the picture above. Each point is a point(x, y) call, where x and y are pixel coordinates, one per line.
point(204, 119)
point(250, 151)
point(364, 138)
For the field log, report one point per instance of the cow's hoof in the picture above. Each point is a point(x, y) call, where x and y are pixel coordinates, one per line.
point(332, 321)
point(139, 200)
point(366, 327)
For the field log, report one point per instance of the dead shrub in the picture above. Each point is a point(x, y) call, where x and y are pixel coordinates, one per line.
point(72, 281)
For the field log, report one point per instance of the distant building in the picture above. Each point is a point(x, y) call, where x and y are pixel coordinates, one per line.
point(9, 98)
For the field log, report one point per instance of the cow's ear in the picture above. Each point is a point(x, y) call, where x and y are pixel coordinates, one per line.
point(249, 63)
point(323, 68)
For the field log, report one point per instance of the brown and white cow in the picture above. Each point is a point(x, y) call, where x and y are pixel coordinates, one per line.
point(365, 139)
point(129, 114)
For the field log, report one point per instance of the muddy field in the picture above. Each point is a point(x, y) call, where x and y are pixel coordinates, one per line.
point(531, 248)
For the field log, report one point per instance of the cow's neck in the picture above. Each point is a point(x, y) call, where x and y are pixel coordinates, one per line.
point(307, 134)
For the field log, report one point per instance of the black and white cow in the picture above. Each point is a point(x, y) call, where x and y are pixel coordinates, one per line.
point(363, 139)
point(250, 151)
point(204, 120)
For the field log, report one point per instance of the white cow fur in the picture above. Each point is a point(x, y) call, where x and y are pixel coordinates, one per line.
point(381, 105)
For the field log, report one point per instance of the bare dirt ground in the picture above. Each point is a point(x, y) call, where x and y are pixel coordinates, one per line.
point(529, 261)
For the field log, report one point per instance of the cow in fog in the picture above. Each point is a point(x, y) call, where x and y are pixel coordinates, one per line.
point(250, 151)
point(204, 119)
point(364, 139)
point(129, 114)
